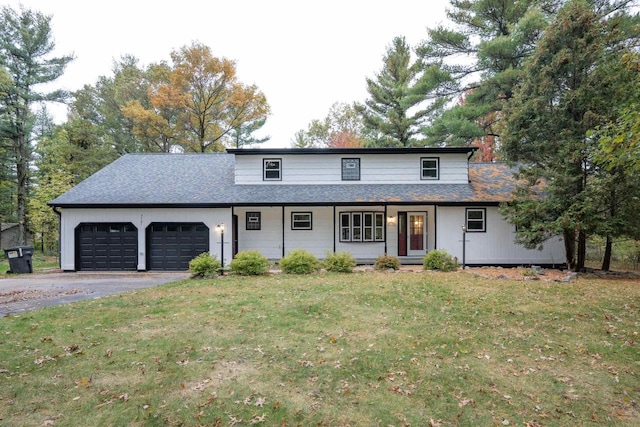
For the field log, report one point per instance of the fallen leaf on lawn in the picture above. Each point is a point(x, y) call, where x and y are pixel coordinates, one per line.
point(260, 401)
point(183, 362)
point(233, 420)
point(464, 402)
point(258, 419)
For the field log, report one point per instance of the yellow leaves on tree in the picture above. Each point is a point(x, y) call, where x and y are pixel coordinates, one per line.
point(195, 104)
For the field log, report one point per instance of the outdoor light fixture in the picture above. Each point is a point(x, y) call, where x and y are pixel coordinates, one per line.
point(221, 228)
point(391, 220)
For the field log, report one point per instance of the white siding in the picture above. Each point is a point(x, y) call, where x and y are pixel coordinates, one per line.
point(141, 218)
point(496, 246)
point(267, 240)
point(374, 168)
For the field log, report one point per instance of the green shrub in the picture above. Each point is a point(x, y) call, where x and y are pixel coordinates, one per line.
point(340, 262)
point(204, 265)
point(250, 263)
point(385, 262)
point(439, 260)
point(299, 261)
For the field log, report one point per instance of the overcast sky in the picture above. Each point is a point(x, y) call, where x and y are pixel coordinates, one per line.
point(303, 55)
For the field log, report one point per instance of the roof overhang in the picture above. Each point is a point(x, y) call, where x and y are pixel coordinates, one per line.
point(319, 151)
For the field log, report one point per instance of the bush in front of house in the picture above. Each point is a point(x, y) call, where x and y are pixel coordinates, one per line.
point(385, 262)
point(300, 261)
point(250, 263)
point(340, 262)
point(439, 260)
point(204, 265)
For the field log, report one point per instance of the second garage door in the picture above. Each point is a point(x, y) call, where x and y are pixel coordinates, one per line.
point(172, 245)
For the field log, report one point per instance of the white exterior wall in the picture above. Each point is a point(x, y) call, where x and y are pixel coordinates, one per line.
point(141, 218)
point(267, 240)
point(374, 168)
point(496, 246)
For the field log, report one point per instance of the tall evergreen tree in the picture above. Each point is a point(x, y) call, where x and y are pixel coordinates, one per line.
point(573, 83)
point(25, 46)
point(399, 103)
point(483, 49)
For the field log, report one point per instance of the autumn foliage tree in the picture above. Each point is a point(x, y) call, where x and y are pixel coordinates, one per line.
point(341, 128)
point(195, 104)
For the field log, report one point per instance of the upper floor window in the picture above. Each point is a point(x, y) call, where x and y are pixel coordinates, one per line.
point(429, 168)
point(476, 220)
point(253, 221)
point(272, 170)
point(301, 220)
point(351, 169)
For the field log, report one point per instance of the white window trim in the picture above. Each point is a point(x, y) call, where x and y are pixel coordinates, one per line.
point(293, 221)
point(437, 169)
point(483, 220)
point(264, 169)
point(361, 230)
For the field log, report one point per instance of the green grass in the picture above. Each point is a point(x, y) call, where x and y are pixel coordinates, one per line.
point(363, 349)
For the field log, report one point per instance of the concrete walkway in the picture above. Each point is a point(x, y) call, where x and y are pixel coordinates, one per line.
point(32, 291)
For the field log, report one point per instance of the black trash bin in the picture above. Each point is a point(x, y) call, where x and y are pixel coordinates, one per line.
point(20, 259)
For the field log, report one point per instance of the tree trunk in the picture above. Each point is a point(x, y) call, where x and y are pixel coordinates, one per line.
point(582, 251)
point(22, 172)
point(606, 261)
point(569, 248)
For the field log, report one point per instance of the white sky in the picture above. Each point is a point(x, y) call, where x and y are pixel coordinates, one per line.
point(303, 55)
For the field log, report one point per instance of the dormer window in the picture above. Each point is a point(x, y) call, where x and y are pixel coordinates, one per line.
point(272, 170)
point(351, 169)
point(429, 168)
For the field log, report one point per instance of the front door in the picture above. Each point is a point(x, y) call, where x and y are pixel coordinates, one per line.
point(417, 236)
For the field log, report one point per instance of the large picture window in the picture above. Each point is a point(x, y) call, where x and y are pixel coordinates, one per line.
point(301, 221)
point(429, 168)
point(272, 170)
point(361, 226)
point(476, 220)
point(351, 169)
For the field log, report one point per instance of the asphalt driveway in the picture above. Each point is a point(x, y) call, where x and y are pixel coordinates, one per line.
point(33, 291)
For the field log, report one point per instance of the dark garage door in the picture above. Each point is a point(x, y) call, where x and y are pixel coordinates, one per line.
point(173, 245)
point(106, 247)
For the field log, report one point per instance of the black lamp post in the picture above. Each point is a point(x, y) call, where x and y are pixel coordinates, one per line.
point(464, 246)
point(221, 228)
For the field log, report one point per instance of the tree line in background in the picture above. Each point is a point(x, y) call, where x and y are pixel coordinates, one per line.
point(550, 85)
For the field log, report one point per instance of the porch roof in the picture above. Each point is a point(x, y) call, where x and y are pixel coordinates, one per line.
point(208, 180)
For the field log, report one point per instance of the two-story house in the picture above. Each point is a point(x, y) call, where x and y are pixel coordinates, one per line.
point(158, 211)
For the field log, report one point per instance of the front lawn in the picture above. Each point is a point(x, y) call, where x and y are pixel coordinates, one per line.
point(362, 349)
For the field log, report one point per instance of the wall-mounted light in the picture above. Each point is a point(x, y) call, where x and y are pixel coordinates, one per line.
point(391, 220)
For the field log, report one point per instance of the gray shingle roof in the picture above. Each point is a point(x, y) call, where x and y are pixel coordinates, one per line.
point(208, 180)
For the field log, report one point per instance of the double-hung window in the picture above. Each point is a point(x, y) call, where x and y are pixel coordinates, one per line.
point(476, 219)
point(429, 168)
point(272, 169)
point(301, 221)
point(361, 226)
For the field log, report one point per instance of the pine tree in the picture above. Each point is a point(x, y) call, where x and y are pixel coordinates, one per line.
point(399, 105)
